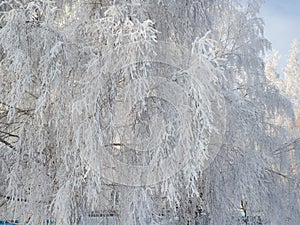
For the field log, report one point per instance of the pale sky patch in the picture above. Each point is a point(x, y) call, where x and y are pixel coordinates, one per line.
point(282, 24)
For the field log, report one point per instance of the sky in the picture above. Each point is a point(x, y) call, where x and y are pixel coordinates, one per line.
point(282, 24)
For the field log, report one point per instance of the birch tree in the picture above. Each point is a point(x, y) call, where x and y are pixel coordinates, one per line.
point(138, 112)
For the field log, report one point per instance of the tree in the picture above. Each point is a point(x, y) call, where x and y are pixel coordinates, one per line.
point(288, 154)
point(287, 85)
point(139, 112)
point(271, 67)
point(292, 76)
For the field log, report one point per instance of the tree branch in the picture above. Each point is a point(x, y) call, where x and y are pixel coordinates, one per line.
point(7, 143)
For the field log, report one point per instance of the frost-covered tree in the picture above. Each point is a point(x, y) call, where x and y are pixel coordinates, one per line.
point(292, 77)
point(287, 85)
point(288, 154)
point(280, 118)
point(139, 112)
point(271, 67)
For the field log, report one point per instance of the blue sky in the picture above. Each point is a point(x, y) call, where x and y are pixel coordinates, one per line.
point(282, 24)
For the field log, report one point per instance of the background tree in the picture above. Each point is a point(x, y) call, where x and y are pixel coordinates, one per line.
point(271, 68)
point(287, 154)
point(292, 76)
